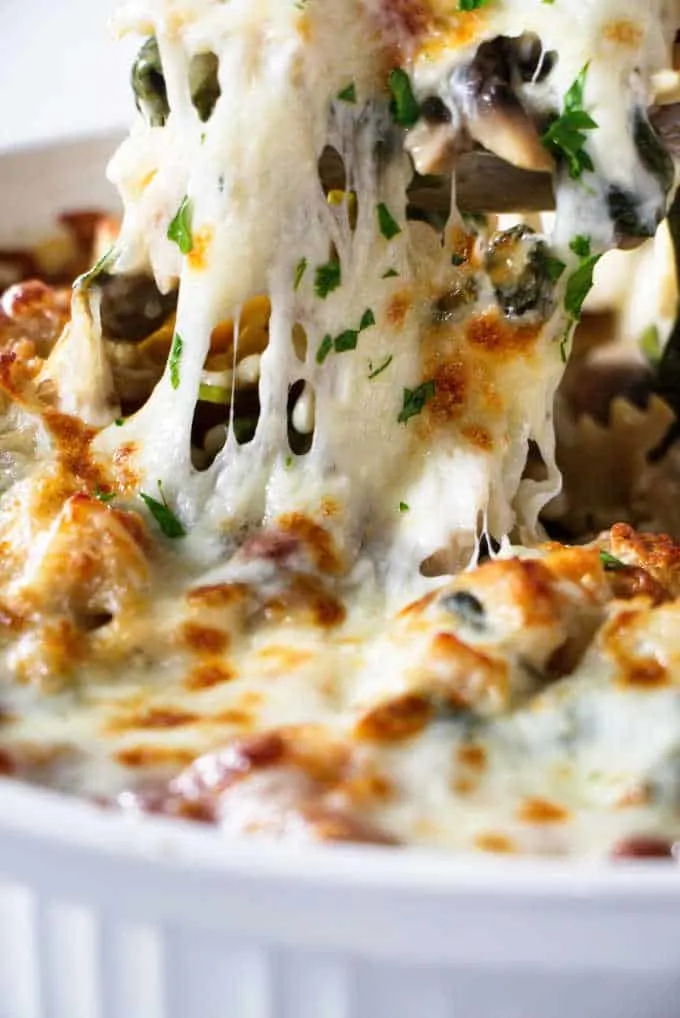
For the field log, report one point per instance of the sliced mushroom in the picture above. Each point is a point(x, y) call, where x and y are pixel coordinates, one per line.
point(494, 116)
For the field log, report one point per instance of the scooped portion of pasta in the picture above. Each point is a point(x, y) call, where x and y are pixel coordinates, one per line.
point(270, 522)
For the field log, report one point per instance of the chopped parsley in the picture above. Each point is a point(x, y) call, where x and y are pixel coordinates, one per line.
point(610, 562)
point(179, 230)
point(414, 401)
point(327, 278)
point(390, 274)
point(300, 270)
point(348, 94)
point(175, 359)
point(403, 507)
point(325, 347)
point(367, 320)
point(346, 340)
point(566, 136)
point(580, 282)
point(389, 227)
point(119, 422)
point(168, 523)
point(374, 372)
point(473, 5)
point(404, 107)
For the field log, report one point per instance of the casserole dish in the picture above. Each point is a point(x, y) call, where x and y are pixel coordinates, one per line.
point(105, 917)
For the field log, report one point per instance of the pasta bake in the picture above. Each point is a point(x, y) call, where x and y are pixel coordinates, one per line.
point(339, 496)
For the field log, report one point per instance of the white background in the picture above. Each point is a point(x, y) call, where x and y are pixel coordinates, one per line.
point(61, 71)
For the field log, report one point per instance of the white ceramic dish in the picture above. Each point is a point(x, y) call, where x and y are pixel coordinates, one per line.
point(103, 917)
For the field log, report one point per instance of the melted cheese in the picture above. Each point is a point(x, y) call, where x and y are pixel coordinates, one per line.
point(126, 655)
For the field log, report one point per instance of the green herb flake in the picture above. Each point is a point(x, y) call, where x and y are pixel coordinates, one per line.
point(390, 274)
point(367, 320)
point(404, 106)
point(415, 400)
point(610, 562)
point(374, 372)
point(325, 348)
point(474, 5)
point(403, 507)
point(580, 282)
point(179, 230)
point(566, 136)
point(300, 270)
point(175, 360)
point(346, 341)
point(389, 227)
point(168, 523)
point(119, 422)
point(327, 278)
point(348, 94)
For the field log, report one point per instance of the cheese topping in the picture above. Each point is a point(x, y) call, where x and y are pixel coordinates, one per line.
point(409, 369)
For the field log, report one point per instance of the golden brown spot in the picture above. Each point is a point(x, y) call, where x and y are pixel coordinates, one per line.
point(285, 659)
point(657, 553)
point(203, 639)
point(623, 33)
point(123, 461)
point(420, 606)
point(463, 786)
point(316, 540)
point(621, 638)
point(451, 31)
point(199, 255)
point(540, 811)
point(305, 599)
point(220, 595)
point(330, 507)
point(473, 757)
point(397, 720)
point(6, 763)
point(493, 335)
point(397, 309)
point(206, 676)
point(478, 436)
point(645, 673)
point(579, 565)
point(232, 716)
point(142, 757)
point(72, 440)
point(468, 675)
point(632, 582)
point(151, 719)
point(498, 844)
point(366, 789)
point(450, 392)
